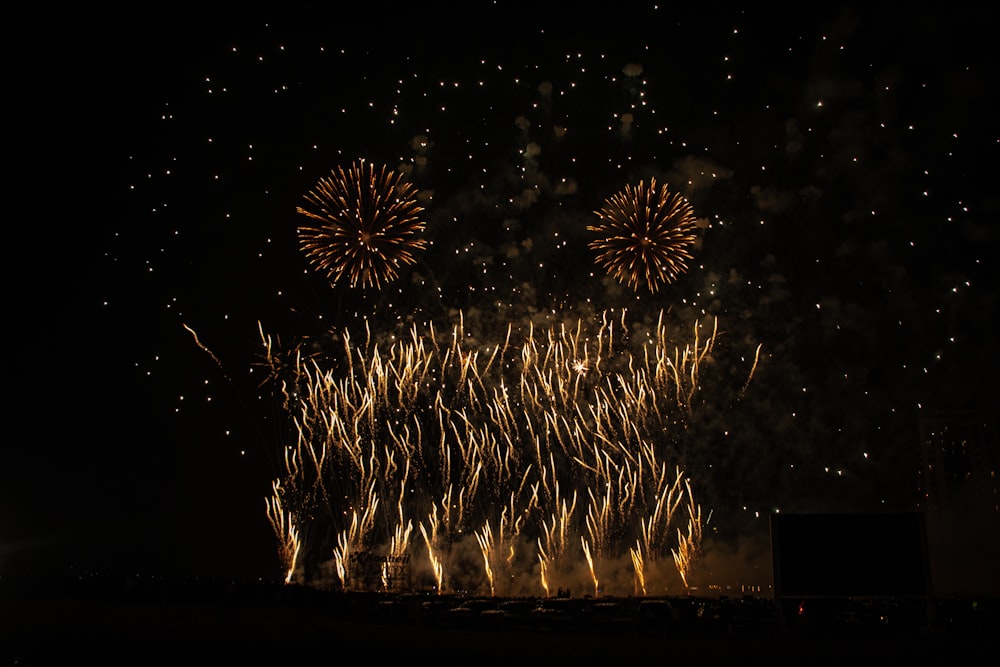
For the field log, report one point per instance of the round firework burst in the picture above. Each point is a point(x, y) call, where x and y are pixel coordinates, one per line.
point(368, 225)
point(645, 234)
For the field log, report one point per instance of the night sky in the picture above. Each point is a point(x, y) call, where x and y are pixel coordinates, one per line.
point(840, 161)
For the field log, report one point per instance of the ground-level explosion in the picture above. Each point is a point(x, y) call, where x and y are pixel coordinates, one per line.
point(541, 461)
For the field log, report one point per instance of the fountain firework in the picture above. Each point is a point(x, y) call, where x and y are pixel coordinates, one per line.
point(545, 458)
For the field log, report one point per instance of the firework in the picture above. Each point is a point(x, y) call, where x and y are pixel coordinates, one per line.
point(640, 569)
point(287, 533)
point(366, 225)
point(644, 235)
point(517, 461)
point(688, 549)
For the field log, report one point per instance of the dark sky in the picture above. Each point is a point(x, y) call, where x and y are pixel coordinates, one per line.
point(841, 163)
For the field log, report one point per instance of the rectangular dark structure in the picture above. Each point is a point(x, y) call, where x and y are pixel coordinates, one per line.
point(824, 555)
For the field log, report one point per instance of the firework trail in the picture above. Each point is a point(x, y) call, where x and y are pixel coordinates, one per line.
point(639, 567)
point(287, 533)
point(590, 566)
point(644, 235)
point(499, 550)
point(367, 225)
point(548, 452)
point(202, 346)
point(688, 549)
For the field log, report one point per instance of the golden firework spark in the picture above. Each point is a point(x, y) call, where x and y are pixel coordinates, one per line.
point(485, 539)
point(645, 235)
point(639, 568)
point(368, 225)
point(286, 531)
point(590, 565)
point(688, 549)
point(432, 542)
point(501, 443)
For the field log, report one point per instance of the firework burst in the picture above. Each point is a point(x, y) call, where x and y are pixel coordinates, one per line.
point(645, 235)
point(368, 225)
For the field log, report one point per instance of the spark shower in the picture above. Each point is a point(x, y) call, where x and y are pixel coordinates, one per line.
point(542, 460)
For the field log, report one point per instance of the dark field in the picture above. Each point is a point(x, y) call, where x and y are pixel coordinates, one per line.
point(129, 622)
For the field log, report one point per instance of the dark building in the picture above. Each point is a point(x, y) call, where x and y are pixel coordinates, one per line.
point(959, 462)
point(959, 488)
